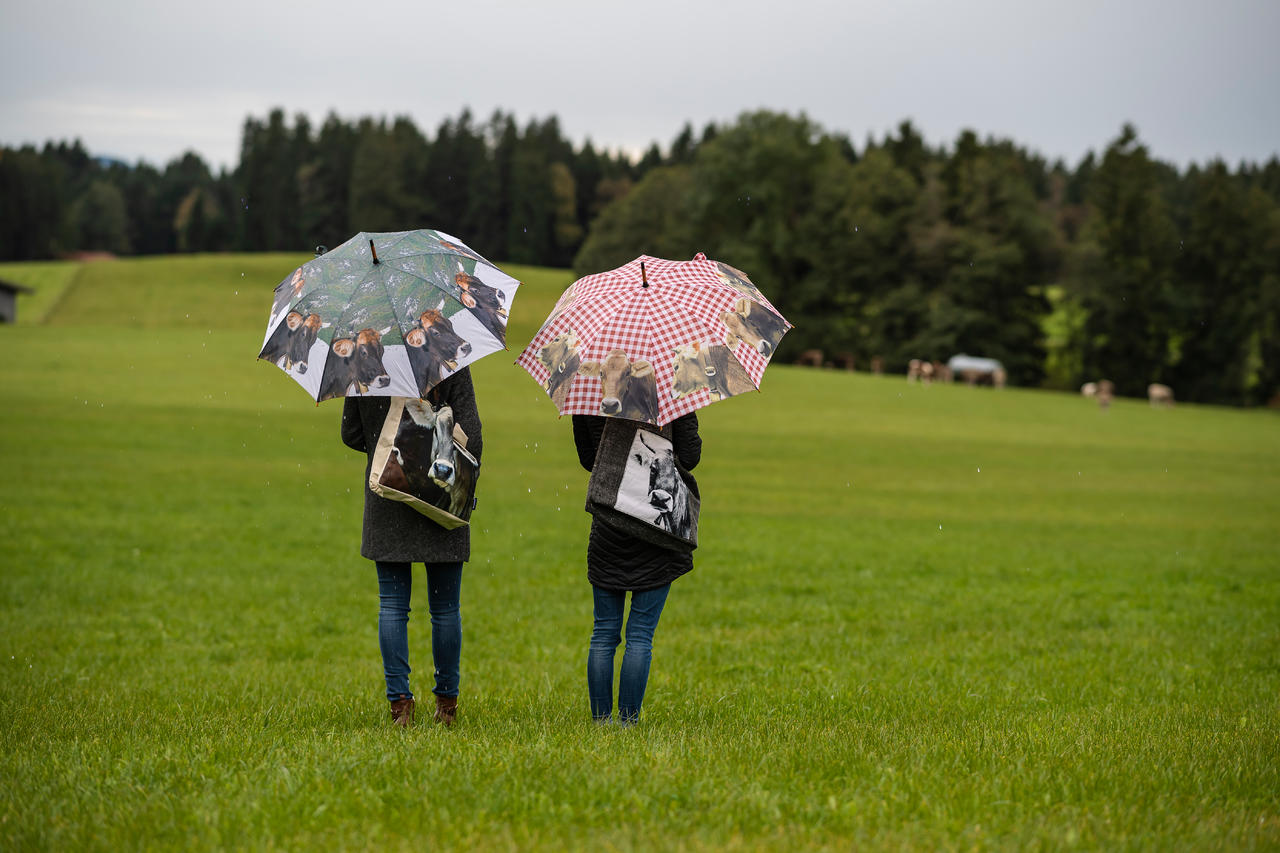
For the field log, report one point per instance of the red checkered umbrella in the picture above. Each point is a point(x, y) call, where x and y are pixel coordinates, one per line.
point(654, 339)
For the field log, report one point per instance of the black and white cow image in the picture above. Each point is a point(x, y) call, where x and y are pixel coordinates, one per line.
point(290, 343)
point(629, 389)
point(752, 323)
point(485, 302)
point(433, 345)
point(561, 358)
point(710, 366)
point(356, 364)
point(438, 473)
point(652, 489)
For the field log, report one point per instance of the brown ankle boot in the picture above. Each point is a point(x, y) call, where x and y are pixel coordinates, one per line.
point(402, 711)
point(446, 710)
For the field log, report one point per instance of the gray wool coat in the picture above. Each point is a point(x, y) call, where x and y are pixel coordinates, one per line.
point(393, 531)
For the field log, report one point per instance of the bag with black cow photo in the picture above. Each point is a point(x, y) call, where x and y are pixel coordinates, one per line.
point(639, 486)
point(422, 460)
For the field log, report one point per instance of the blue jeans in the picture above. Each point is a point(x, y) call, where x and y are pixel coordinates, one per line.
point(646, 607)
point(444, 586)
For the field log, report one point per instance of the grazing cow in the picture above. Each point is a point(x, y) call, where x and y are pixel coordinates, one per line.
point(877, 365)
point(919, 370)
point(561, 358)
point(440, 477)
point(432, 345)
point(668, 496)
point(1106, 390)
point(752, 323)
point(1159, 395)
point(844, 360)
point(629, 388)
point(1089, 389)
point(290, 343)
point(710, 366)
point(810, 358)
point(485, 302)
point(357, 366)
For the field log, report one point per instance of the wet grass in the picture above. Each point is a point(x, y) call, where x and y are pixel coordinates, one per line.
point(922, 618)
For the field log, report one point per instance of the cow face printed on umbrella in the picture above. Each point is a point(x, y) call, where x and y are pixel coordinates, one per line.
point(710, 366)
point(561, 359)
point(752, 324)
point(355, 365)
point(290, 345)
point(628, 389)
point(485, 302)
point(434, 348)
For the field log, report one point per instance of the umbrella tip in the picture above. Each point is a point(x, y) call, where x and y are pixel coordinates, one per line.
point(374, 249)
point(320, 250)
point(644, 279)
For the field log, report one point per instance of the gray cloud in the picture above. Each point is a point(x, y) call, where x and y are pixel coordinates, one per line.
point(147, 79)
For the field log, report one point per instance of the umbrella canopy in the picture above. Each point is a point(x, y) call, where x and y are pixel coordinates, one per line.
point(654, 339)
point(387, 314)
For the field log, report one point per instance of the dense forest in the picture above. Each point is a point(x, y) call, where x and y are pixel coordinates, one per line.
point(1119, 267)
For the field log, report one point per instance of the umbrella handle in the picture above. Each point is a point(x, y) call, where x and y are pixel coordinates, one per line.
point(373, 249)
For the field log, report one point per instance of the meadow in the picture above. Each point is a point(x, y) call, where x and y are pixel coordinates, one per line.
point(932, 618)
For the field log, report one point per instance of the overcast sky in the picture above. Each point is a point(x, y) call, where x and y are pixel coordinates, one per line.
point(141, 79)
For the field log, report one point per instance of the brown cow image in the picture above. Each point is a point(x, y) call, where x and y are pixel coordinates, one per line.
point(432, 345)
point(629, 388)
point(357, 365)
point(290, 343)
point(919, 370)
point(736, 279)
point(287, 292)
point(561, 358)
point(710, 366)
point(1159, 395)
point(485, 302)
point(752, 323)
point(810, 358)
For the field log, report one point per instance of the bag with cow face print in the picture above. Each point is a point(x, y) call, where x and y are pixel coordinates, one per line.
point(422, 460)
point(638, 485)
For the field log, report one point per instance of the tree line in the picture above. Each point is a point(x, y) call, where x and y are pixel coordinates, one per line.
point(1120, 267)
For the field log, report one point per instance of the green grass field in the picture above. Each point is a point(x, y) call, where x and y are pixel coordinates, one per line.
point(926, 618)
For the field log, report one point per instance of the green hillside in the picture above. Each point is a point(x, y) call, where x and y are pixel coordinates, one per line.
point(921, 617)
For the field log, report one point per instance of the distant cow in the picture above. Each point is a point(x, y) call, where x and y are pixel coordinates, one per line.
point(668, 495)
point(561, 358)
point(485, 302)
point(629, 388)
point(877, 365)
point(357, 365)
point(433, 345)
point(710, 366)
point(1159, 395)
point(919, 370)
point(1089, 389)
point(810, 358)
point(752, 323)
point(1106, 390)
point(290, 343)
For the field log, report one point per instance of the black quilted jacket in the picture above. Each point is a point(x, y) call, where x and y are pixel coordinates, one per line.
point(616, 560)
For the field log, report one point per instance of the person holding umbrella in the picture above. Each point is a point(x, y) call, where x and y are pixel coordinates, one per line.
point(619, 562)
point(631, 353)
point(398, 314)
point(395, 536)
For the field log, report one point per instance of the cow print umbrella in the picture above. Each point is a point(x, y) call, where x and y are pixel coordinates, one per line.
point(387, 314)
point(654, 339)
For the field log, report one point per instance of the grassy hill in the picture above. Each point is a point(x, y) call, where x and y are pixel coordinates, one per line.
point(921, 617)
